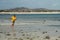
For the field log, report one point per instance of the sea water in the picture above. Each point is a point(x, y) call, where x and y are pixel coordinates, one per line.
point(31, 23)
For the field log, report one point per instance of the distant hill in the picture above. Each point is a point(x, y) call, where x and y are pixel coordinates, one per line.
point(24, 9)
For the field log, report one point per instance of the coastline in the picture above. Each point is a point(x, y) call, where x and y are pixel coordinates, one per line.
point(29, 12)
point(29, 29)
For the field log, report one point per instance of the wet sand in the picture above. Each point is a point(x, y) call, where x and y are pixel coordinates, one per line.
point(28, 33)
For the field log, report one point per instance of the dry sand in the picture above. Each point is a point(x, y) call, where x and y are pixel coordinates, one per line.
point(32, 35)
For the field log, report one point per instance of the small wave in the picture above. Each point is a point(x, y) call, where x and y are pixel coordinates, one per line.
point(55, 25)
point(33, 23)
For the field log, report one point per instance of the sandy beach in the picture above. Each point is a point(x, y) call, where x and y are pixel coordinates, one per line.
point(29, 12)
point(37, 34)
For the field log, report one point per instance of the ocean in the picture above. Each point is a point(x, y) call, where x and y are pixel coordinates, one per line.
point(29, 18)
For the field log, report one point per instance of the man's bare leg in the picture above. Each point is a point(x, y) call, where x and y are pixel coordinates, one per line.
point(14, 34)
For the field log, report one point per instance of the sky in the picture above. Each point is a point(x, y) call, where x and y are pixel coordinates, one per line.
point(48, 4)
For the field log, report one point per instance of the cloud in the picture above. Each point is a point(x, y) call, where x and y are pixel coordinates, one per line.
point(55, 4)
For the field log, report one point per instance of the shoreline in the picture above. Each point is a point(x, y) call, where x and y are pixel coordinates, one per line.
point(29, 12)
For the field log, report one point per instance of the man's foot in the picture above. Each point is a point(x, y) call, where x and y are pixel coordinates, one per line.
point(12, 25)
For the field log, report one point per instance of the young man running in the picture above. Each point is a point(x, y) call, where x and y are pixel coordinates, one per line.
point(13, 19)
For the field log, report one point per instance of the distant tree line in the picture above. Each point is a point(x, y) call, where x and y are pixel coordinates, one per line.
point(23, 9)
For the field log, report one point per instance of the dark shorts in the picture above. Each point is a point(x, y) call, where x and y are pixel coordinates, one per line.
point(13, 22)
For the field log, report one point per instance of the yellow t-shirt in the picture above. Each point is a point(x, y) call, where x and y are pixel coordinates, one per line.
point(13, 18)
